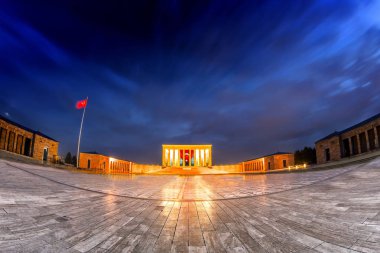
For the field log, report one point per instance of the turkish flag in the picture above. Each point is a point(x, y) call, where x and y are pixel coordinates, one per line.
point(81, 104)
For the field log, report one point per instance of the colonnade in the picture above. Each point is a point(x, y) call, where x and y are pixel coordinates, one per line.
point(360, 141)
point(186, 155)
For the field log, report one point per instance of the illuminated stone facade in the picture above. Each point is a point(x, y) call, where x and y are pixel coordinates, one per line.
point(25, 141)
point(186, 155)
point(361, 138)
point(104, 164)
point(274, 161)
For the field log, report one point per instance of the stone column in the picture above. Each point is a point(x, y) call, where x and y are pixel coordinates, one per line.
point(376, 137)
point(178, 157)
point(350, 145)
point(202, 157)
point(367, 139)
point(191, 157)
point(170, 157)
point(195, 157)
point(163, 157)
point(174, 163)
point(359, 145)
point(208, 157)
point(210, 153)
point(183, 157)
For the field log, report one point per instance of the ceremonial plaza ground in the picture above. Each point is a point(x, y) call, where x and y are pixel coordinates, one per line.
point(44, 209)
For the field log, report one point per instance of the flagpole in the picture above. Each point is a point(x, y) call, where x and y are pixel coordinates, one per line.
point(80, 132)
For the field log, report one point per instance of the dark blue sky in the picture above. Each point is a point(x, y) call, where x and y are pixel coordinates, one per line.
point(249, 77)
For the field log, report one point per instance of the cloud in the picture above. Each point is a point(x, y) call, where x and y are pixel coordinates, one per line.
point(245, 76)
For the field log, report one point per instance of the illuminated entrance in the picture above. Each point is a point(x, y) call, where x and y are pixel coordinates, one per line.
point(186, 155)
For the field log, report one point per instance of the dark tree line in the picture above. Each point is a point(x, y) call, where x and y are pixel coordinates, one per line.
point(306, 155)
point(69, 159)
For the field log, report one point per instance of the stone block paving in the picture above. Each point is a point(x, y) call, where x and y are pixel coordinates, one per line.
point(49, 210)
point(184, 188)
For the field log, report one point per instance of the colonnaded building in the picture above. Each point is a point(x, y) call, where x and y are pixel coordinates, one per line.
point(24, 141)
point(186, 155)
point(359, 139)
point(276, 161)
point(103, 163)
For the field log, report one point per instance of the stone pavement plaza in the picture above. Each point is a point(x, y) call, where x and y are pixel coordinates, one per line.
point(45, 209)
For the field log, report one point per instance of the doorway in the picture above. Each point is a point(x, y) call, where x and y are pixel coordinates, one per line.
point(346, 148)
point(46, 152)
point(327, 154)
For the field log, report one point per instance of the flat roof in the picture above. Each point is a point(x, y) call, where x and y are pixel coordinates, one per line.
point(187, 145)
point(26, 128)
point(362, 123)
point(277, 153)
point(96, 153)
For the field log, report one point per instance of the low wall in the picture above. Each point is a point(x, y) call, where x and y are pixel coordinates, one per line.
point(144, 168)
point(230, 168)
point(347, 160)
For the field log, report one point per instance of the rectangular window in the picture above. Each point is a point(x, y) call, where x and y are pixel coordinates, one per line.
point(268, 165)
point(3, 136)
point(11, 141)
point(371, 139)
point(363, 142)
point(354, 144)
point(88, 163)
point(27, 145)
point(284, 163)
point(327, 154)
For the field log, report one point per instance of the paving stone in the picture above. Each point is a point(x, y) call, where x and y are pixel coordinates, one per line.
point(45, 209)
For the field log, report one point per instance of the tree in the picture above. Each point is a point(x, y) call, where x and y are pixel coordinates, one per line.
point(68, 158)
point(308, 155)
point(74, 161)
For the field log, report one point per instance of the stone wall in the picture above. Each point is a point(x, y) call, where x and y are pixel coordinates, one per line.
point(144, 168)
point(98, 162)
point(119, 166)
point(266, 163)
point(333, 145)
point(371, 140)
point(351, 142)
point(24, 141)
point(104, 164)
point(278, 161)
point(40, 144)
point(9, 143)
point(230, 168)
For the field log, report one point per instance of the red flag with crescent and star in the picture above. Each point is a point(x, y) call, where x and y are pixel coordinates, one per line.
point(81, 104)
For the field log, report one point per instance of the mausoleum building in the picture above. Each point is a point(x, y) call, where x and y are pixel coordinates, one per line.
point(186, 155)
